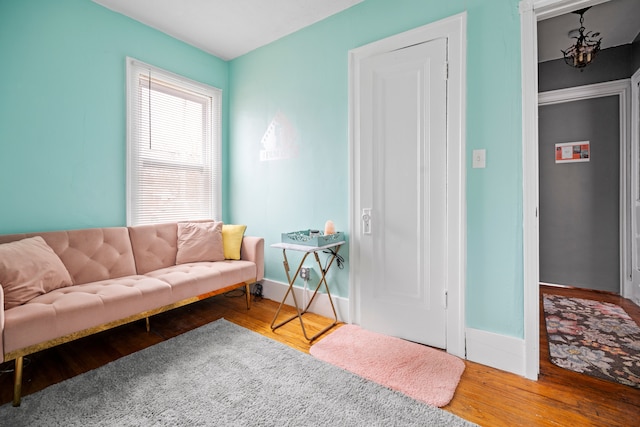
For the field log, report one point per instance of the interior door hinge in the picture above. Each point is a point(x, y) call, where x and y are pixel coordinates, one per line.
point(445, 299)
point(446, 71)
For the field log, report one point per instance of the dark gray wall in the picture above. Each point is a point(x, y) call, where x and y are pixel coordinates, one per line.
point(611, 64)
point(635, 54)
point(579, 202)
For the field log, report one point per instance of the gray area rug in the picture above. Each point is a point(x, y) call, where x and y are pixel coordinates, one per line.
point(221, 374)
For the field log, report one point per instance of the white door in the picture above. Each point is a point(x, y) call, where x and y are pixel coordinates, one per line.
point(403, 167)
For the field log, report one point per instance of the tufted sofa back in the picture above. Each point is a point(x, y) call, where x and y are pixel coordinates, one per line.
point(155, 246)
point(91, 254)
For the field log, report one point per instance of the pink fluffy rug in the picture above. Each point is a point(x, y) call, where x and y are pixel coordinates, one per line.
point(424, 373)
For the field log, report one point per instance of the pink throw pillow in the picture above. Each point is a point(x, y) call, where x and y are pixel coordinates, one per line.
point(29, 268)
point(199, 241)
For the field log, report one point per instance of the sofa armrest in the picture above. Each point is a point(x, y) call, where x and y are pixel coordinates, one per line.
point(252, 249)
point(1, 324)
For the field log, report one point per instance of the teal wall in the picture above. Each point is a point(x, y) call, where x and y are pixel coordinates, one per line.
point(63, 109)
point(305, 77)
point(63, 141)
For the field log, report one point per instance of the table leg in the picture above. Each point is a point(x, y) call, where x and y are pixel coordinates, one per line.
point(293, 294)
point(299, 314)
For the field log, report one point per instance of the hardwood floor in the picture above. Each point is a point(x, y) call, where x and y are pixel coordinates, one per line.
point(486, 396)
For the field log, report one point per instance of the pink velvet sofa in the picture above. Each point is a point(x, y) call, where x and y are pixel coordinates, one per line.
point(117, 275)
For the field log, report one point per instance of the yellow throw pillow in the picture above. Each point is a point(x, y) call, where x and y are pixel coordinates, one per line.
point(232, 240)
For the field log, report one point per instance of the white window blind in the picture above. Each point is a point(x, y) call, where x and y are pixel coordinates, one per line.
point(173, 147)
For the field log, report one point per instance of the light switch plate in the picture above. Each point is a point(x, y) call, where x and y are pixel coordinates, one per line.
point(480, 158)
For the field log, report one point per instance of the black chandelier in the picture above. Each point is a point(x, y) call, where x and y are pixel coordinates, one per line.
point(584, 51)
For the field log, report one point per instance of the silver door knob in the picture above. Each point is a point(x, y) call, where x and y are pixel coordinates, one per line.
point(366, 221)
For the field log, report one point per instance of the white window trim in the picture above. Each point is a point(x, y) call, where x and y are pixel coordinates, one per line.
point(216, 141)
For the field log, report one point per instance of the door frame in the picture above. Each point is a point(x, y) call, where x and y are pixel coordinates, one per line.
point(532, 11)
point(621, 89)
point(634, 118)
point(454, 30)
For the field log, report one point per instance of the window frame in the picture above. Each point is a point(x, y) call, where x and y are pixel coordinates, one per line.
point(173, 83)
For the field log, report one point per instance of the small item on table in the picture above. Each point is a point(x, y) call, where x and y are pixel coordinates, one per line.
point(329, 228)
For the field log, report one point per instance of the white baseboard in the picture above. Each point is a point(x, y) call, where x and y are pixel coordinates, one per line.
point(487, 348)
point(495, 350)
point(275, 291)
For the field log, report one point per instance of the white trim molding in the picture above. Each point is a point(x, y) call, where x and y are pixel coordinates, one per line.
point(634, 291)
point(546, 9)
point(532, 11)
point(531, 244)
point(618, 87)
point(621, 89)
point(495, 350)
point(454, 30)
point(274, 290)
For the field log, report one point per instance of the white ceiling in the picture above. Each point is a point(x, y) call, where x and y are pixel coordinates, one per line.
point(617, 21)
point(231, 28)
point(228, 28)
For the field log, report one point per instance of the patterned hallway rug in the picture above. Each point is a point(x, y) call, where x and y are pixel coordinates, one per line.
point(423, 373)
point(593, 338)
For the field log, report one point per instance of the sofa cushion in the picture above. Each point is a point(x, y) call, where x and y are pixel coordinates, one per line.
point(154, 246)
point(29, 268)
point(74, 308)
point(232, 240)
point(198, 278)
point(199, 241)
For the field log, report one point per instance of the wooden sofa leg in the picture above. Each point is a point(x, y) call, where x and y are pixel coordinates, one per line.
point(248, 294)
point(148, 324)
point(17, 382)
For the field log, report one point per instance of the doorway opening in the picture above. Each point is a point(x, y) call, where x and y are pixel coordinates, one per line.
point(531, 12)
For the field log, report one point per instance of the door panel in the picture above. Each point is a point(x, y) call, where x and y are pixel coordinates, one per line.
point(403, 181)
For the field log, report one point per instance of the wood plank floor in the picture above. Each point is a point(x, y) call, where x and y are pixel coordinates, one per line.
point(486, 396)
